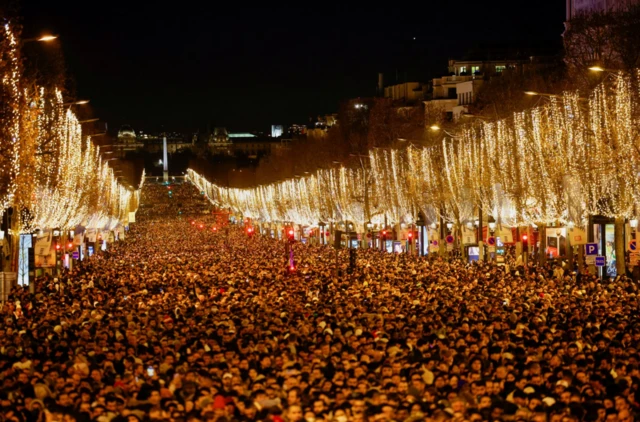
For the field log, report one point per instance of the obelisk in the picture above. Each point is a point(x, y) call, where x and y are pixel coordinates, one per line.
point(165, 160)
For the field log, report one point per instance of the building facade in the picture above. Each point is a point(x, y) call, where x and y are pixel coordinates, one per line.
point(408, 92)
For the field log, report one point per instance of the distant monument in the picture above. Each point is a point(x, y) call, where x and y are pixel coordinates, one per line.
point(165, 159)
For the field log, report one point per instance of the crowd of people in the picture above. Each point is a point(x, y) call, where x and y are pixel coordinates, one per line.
point(159, 200)
point(180, 322)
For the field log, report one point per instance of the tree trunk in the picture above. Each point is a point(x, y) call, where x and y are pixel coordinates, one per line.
point(569, 251)
point(580, 257)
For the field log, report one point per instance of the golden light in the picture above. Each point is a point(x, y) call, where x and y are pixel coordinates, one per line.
point(532, 93)
point(435, 127)
point(47, 38)
point(596, 69)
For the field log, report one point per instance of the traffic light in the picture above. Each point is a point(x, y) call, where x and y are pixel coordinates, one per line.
point(70, 245)
point(525, 243)
point(384, 235)
point(410, 236)
point(215, 229)
point(193, 223)
point(290, 235)
point(58, 246)
point(201, 226)
point(250, 231)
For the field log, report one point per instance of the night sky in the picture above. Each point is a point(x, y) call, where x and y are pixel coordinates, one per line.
point(191, 64)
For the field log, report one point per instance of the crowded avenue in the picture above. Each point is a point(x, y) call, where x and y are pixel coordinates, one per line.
point(184, 320)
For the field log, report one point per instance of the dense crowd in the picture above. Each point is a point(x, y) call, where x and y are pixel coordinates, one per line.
point(181, 323)
point(170, 200)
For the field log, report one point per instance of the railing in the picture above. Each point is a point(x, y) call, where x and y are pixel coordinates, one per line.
point(455, 79)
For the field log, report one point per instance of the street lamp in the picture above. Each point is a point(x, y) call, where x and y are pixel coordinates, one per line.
point(79, 102)
point(540, 94)
point(44, 38)
point(473, 116)
point(633, 223)
point(437, 128)
point(547, 95)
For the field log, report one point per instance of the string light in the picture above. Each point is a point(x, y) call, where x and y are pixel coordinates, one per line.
point(53, 177)
point(561, 161)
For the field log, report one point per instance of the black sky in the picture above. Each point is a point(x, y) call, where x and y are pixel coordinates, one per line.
point(188, 64)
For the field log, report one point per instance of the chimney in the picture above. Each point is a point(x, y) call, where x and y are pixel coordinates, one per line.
point(381, 84)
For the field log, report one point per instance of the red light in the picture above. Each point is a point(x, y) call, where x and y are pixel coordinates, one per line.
point(293, 268)
point(525, 237)
point(410, 235)
point(215, 229)
point(58, 247)
point(201, 226)
point(290, 232)
point(384, 232)
point(193, 223)
point(70, 245)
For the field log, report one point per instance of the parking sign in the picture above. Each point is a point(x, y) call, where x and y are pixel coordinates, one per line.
point(591, 249)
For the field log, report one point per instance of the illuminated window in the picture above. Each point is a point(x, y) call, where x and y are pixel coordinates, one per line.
point(463, 69)
point(475, 69)
point(500, 69)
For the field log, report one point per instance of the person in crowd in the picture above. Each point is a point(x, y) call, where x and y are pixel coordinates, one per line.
point(191, 319)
